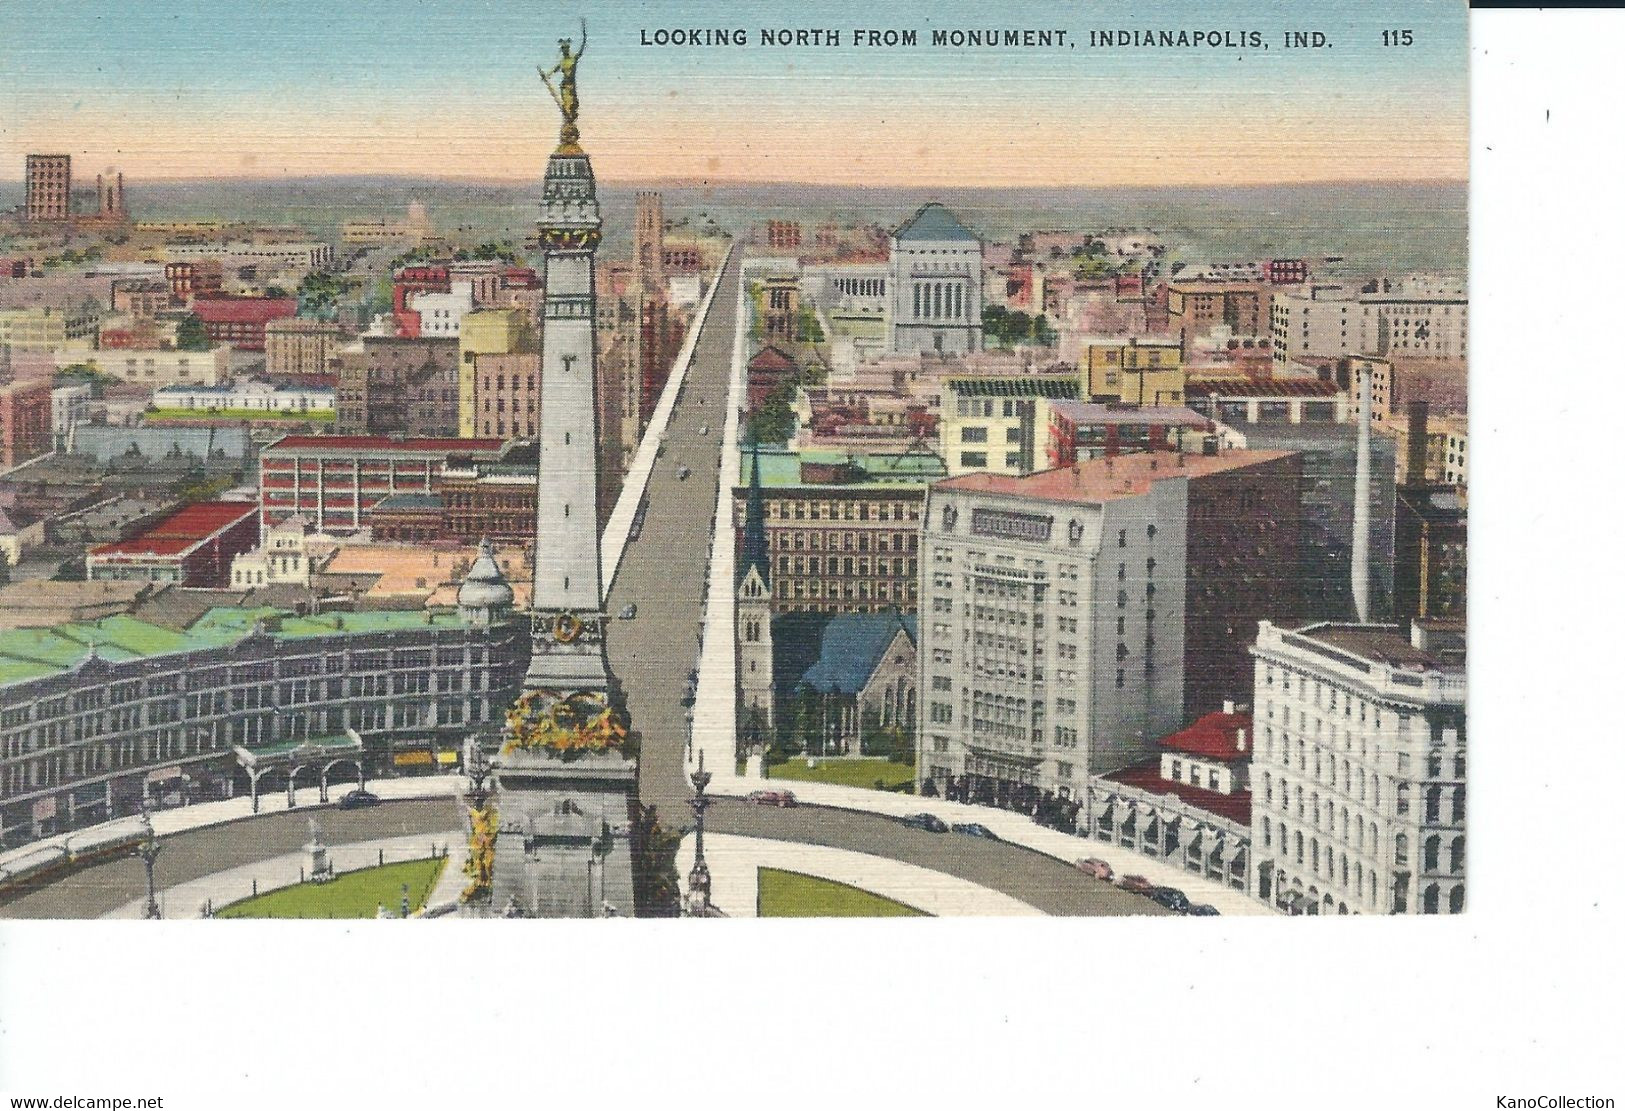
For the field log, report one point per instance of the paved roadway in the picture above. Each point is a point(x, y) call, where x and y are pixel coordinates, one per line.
point(188, 856)
point(663, 571)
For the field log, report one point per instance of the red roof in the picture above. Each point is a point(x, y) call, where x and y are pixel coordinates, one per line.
point(436, 445)
point(1103, 480)
point(1148, 777)
point(181, 530)
point(771, 358)
point(243, 310)
point(1214, 736)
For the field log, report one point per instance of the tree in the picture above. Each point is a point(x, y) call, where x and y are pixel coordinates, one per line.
point(655, 885)
point(874, 739)
point(752, 732)
point(191, 335)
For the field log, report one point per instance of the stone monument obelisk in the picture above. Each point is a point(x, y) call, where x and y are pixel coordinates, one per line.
point(567, 771)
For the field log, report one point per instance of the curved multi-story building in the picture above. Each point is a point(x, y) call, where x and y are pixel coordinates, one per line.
point(97, 718)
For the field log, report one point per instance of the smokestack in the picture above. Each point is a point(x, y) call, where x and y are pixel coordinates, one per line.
point(1361, 560)
point(1416, 444)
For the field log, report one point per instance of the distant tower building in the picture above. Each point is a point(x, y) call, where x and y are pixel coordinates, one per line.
point(50, 187)
point(649, 245)
point(936, 285)
point(753, 616)
point(110, 198)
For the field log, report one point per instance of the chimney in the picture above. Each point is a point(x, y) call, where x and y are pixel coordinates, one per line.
point(1229, 706)
point(1360, 561)
point(1416, 444)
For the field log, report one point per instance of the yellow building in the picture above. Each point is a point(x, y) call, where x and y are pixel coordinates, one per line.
point(1138, 370)
point(1446, 462)
point(42, 328)
point(998, 425)
point(485, 332)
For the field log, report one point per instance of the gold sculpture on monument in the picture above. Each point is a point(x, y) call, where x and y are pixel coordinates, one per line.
point(564, 93)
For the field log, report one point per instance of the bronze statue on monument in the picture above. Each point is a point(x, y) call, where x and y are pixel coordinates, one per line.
point(564, 93)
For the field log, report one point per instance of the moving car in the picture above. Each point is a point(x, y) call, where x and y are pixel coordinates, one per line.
point(628, 612)
point(772, 798)
point(928, 822)
point(1095, 867)
point(359, 799)
point(1202, 910)
point(705, 430)
point(1137, 884)
point(683, 473)
point(975, 829)
point(1171, 897)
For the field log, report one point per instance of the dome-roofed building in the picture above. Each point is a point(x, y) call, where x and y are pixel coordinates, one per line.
point(485, 597)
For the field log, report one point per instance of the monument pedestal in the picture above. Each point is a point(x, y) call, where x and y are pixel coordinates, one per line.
point(564, 835)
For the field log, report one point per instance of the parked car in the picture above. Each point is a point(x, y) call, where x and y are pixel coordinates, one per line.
point(1172, 898)
point(1095, 867)
point(772, 798)
point(928, 822)
point(1138, 884)
point(628, 612)
point(1203, 910)
point(359, 799)
point(975, 829)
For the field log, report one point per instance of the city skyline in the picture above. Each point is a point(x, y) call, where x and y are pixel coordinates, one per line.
point(257, 85)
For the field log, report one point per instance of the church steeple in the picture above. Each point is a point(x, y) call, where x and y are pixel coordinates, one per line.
point(754, 550)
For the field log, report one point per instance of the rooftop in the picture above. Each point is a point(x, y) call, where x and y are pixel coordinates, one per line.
point(1103, 480)
point(851, 649)
point(1089, 412)
point(934, 223)
point(32, 653)
point(1214, 736)
point(1260, 387)
point(1147, 777)
point(1392, 645)
point(351, 444)
point(181, 530)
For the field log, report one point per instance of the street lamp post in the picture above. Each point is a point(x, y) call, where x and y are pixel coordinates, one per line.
point(699, 876)
point(149, 850)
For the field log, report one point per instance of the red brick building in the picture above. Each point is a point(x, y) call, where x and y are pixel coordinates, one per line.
point(25, 421)
point(784, 235)
point(335, 481)
point(240, 321)
point(191, 547)
point(193, 279)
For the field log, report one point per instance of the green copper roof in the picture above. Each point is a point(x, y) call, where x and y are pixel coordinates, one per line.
point(935, 224)
point(33, 653)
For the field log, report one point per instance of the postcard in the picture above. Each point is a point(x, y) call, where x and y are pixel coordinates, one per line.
point(727, 461)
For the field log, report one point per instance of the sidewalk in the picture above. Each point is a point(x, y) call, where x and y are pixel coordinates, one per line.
point(1016, 828)
point(186, 901)
point(734, 862)
point(183, 819)
point(713, 728)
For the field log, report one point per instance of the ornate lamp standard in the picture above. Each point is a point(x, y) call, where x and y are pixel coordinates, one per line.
point(148, 851)
point(699, 876)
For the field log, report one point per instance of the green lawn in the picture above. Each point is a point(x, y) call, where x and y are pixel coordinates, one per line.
point(861, 771)
point(782, 894)
point(352, 895)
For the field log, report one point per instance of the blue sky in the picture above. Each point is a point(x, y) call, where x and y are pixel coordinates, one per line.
point(168, 88)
